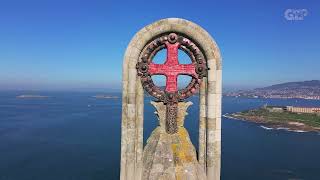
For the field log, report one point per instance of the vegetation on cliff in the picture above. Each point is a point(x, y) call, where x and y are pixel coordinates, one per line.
point(286, 120)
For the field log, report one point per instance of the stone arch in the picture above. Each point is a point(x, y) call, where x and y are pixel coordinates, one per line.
point(133, 95)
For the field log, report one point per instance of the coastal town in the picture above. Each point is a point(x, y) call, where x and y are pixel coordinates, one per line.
point(299, 90)
point(287, 94)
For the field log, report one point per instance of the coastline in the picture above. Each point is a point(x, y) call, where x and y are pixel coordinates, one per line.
point(266, 124)
point(274, 97)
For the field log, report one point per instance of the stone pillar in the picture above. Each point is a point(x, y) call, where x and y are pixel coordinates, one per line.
point(139, 130)
point(213, 122)
point(203, 124)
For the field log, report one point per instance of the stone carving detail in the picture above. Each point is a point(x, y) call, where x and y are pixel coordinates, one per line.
point(171, 69)
point(171, 118)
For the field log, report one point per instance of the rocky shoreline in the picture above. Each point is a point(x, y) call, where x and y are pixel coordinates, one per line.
point(270, 124)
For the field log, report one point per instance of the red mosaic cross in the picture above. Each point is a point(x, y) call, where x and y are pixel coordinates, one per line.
point(171, 68)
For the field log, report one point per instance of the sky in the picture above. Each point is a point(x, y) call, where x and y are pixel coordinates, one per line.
point(79, 45)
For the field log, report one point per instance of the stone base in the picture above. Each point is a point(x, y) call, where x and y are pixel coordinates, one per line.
point(171, 156)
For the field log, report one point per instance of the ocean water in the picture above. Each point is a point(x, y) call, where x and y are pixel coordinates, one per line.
point(72, 136)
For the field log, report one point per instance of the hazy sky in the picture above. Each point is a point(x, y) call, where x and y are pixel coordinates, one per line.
point(64, 44)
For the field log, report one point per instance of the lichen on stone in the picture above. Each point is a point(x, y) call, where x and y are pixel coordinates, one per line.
point(171, 156)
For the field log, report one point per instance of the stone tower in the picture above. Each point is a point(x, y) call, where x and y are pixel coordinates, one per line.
point(169, 153)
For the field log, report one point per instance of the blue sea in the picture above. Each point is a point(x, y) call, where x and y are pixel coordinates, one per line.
point(74, 136)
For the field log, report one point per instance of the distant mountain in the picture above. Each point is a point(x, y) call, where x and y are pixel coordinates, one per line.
point(313, 84)
point(304, 89)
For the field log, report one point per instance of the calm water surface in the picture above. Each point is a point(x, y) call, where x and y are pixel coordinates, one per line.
point(72, 136)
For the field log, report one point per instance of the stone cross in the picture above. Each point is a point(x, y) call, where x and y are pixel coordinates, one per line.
point(172, 69)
